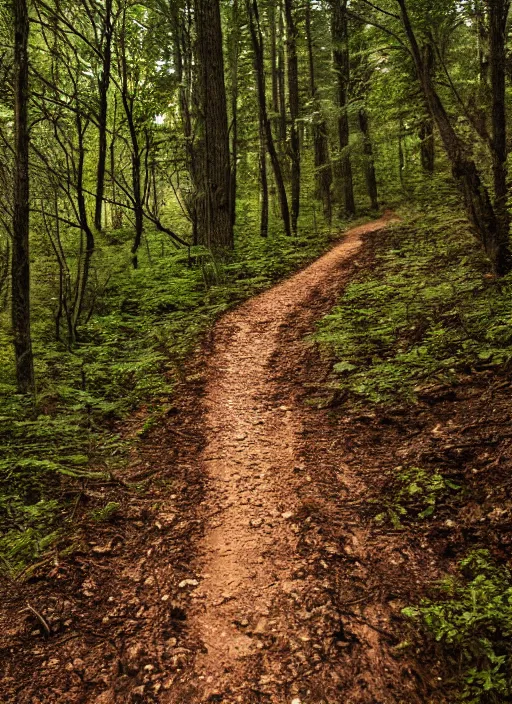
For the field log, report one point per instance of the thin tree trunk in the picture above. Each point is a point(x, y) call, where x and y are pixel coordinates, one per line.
point(214, 223)
point(341, 62)
point(85, 255)
point(234, 58)
point(116, 217)
point(323, 169)
point(293, 98)
point(427, 146)
point(104, 83)
point(263, 183)
point(20, 271)
point(498, 15)
point(138, 209)
point(183, 65)
point(364, 72)
point(137, 205)
point(281, 79)
point(257, 44)
point(369, 166)
point(401, 153)
point(273, 60)
point(128, 105)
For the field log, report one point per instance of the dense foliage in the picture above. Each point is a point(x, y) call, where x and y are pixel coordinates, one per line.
point(427, 317)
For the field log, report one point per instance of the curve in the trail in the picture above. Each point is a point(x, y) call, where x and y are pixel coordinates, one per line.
point(248, 555)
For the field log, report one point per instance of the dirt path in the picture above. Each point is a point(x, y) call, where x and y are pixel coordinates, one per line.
point(249, 556)
point(244, 564)
point(248, 570)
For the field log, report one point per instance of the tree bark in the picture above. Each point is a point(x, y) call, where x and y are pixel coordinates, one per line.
point(341, 63)
point(234, 55)
point(274, 62)
point(20, 271)
point(128, 101)
point(183, 62)
point(86, 253)
point(369, 166)
point(401, 151)
point(263, 183)
point(103, 85)
point(281, 79)
point(323, 169)
point(257, 44)
point(427, 146)
point(498, 15)
point(214, 223)
point(293, 99)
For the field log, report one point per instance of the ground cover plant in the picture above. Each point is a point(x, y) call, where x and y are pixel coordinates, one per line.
point(470, 619)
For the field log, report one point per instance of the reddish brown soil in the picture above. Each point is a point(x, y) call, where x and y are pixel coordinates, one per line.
point(250, 568)
point(261, 613)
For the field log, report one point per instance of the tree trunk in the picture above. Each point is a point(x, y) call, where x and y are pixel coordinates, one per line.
point(116, 212)
point(476, 197)
point(137, 200)
point(293, 98)
point(20, 271)
point(103, 84)
point(214, 223)
point(281, 80)
point(263, 183)
point(341, 63)
point(427, 146)
point(234, 54)
point(128, 101)
point(274, 63)
point(369, 166)
point(401, 152)
point(87, 253)
point(323, 170)
point(257, 44)
point(183, 62)
point(498, 15)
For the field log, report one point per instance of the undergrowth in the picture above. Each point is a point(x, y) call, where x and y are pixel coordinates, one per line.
point(132, 352)
point(425, 313)
point(470, 620)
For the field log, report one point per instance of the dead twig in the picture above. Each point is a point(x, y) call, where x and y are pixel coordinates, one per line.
point(44, 623)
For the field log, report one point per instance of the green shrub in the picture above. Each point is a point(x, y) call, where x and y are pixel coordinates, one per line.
point(471, 621)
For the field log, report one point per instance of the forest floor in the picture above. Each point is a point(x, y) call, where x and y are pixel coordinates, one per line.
point(246, 567)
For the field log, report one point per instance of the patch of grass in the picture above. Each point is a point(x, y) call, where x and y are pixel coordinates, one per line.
point(470, 623)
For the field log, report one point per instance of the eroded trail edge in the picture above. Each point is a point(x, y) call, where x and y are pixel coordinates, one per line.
point(251, 612)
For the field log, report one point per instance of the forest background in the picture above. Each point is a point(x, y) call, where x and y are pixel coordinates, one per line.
point(161, 161)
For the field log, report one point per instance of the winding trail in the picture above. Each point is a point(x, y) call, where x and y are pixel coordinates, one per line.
point(249, 560)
